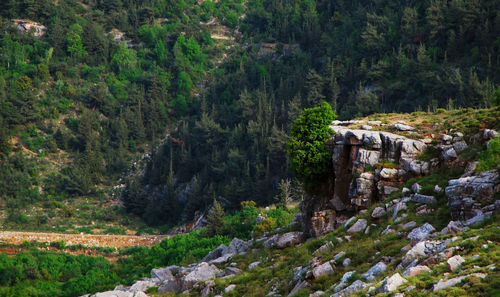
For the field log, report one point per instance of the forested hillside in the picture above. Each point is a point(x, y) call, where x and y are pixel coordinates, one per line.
point(220, 83)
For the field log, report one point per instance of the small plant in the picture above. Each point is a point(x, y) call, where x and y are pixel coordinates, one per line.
point(490, 159)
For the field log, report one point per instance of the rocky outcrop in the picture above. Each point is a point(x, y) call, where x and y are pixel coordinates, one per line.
point(352, 187)
point(223, 253)
point(28, 26)
point(467, 195)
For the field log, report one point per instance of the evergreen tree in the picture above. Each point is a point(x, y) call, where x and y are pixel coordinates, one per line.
point(215, 219)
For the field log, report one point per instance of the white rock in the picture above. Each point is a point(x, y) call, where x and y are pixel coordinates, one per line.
point(391, 283)
point(359, 226)
point(421, 233)
point(230, 288)
point(322, 270)
point(253, 264)
point(416, 188)
point(445, 284)
point(378, 268)
point(454, 263)
point(412, 271)
point(378, 212)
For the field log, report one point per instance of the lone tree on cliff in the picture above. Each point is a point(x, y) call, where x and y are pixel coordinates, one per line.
point(307, 151)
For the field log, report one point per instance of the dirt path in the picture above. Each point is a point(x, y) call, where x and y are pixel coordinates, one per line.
point(91, 240)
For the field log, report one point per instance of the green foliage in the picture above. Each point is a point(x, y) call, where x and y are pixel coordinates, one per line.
point(307, 149)
point(490, 158)
point(215, 219)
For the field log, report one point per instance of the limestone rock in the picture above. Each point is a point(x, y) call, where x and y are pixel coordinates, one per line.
point(325, 247)
point(201, 272)
point(378, 268)
point(142, 286)
point(343, 281)
point(454, 227)
point(412, 271)
point(289, 239)
point(423, 249)
point(353, 288)
point(223, 253)
point(416, 188)
point(346, 262)
point(419, 198)
point(359, 226)
point(232, 271)
point(459, 146)
point(229, 288)
point(378, 212)
point(322, 270)
point(300, 285)
point(399, 206)
point(454, 263)
point(409, 225)
point(391, 283)
point(421, 233)
point(388, 173)
point(253, 265)
point(402, 127)
point(445, 284)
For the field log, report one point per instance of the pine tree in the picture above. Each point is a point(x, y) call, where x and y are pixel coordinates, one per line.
point(284, 195)
point(215, 219)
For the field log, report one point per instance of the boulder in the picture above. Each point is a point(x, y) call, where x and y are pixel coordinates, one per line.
point(423, 249)
point(378, 212)
point(300, 285)
point(402, 127)
point(289, 239)
point(409, 225)
point(253, 265)
point(229, 288)
point(419, 198)
point(399, 206)
point(378, 268)
point(412, 271)
point(467, 194)
point(343, 281)
point(454, 227)
point(223, 253)
point(359, 226)
point(352, 289)
point(388, 173)
point(489, 134)
point(325, 247)
point(416, 188)
point(459, 146)
point(421, 233)
point(445, 284)
point(142, 286)
point(346, 262)
point(232, 271)
point(201, 272)
point(163, 274)
point(339, 256)
point(454, 263)
point(391, 283)
point(169, 286)
point(322, 270)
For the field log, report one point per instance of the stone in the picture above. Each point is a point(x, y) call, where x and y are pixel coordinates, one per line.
point(421, 233)
point(201, 272)
point(445, 284)
point(399, 206)
point(349, 221)
point(169, 286)
point(229, 288)
point(378, 212)
point(290, 239)
point(423, 249)
point(142, 286)
point(446, 138)
point(317, 294)
point(409, 225)
point(163, 274)
point(232, 271)
point(387, 230)
point(449, 154)
point(359, 226)
point(325, 247)
point(271, 241)
point(405, 190)
point(476, 219)
point(375, 123)
point(343, 281)
point(459, 146)
point(339, 256)
point(437, 189)
point(356, 286)
point(253, 265)
point(378, 268)
point(419, 198)
point(346, 262)
point(388, 173)
point(366, 127)
point(322, 270)
point(322, 222)
point(454, 227)
point(402, 127)
point(416, 188)
point(412, 271)
point(300, 285)
point(364, 192)
point(467, 194)
point(454, 263)
point(224, 253)
point(114, 294)
point(391, 283)
point(489, 134)
point(25, 26)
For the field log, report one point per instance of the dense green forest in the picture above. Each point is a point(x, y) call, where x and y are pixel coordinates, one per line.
point(87, 105)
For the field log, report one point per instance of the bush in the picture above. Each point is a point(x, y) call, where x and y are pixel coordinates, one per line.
point(490, 159)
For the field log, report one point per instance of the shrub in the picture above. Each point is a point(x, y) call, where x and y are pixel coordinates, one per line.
point(267, 225)
point(490, 159)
